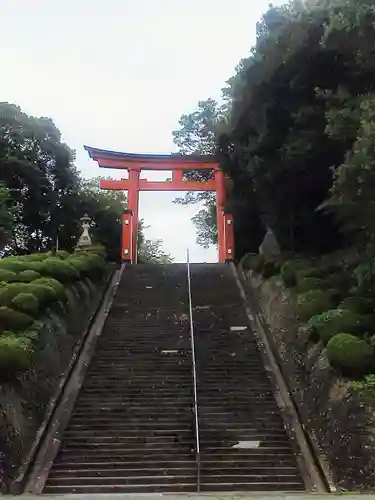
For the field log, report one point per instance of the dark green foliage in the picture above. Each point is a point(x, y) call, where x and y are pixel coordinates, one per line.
point(10, 291)
point(334, 321)
point(44, 293)
point(62, 254)
point(351, 355)
point(289, 274)
point(254, 262)
point(311, 303)
point(306, 284)
point(15, 352)
point(27, 276)
point(60, 270)
point(359, 305)
point(27, 303)
point(270, 268)
point(7, 276)
point(13, 264)
point(52, 283)
point(14, 320)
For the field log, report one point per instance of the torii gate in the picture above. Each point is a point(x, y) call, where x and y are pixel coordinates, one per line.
point(135, 163)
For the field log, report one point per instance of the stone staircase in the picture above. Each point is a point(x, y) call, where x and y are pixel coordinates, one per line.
point(132, 425)
point(132, 429)
point(244, 445)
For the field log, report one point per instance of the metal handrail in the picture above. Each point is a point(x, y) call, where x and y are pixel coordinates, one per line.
point(195, 383)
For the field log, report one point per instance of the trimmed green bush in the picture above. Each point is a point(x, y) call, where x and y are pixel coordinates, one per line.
point(11, 290)
point(14, 264)
point(62, 254)
point(270, 268)
point(94, 249)
point(254, 262)
point(27, 276)
point(51, 282)
point(15, 352)
point(36, 266)
point(45, 294)
point(37, 257)
point(350, 355)
point(14, 320)
point(7, 276)
point(60, 270)
point(27, 303)
point(289, 274)
point(307, 284)
point(311, 272)
point(341, 281)
point(311, 303)
point(357, 304)
point(334, 321)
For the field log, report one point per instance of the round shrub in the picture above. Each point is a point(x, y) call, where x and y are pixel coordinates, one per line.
point(311, 303)
point(289, 274)
point(311, 272)
point(340, 281)
point(15, 352)
point(329, 323)
point(357, 304)
point(53, 283)
point(37, 257)
point(307, 284)
point(27, 276)
point(270, 268)
point(88, 265)
point(254, 262)
point(36, 266)
point(45, 294)
point(27, 303)
point(11, 290)
point(94, 249)
point(14, 264)
point(350, 355)
point(7, 276)
point(60, 270)
point(62, 254)
point(14, 320)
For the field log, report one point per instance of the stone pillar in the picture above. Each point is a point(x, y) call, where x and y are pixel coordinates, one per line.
point(133, 205)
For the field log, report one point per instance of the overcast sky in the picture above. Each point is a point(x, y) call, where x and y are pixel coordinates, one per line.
point(118, 74)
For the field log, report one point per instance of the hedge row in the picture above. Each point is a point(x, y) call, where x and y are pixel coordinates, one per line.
point(28, 286)
point(336, 300)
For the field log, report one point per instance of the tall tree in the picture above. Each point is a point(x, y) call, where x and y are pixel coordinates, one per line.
point(197, 135)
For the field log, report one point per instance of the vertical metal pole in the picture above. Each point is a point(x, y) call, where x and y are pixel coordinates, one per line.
point(195, 383)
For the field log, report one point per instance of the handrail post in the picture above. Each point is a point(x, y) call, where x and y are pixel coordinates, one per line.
point(195, 384)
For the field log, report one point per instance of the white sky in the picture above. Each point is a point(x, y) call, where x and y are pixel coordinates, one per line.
point(117, 74)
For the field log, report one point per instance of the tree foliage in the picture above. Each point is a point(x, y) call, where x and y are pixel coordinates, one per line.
point(43, 197)
point(197, 135)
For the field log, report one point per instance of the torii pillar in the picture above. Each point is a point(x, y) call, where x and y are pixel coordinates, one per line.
point(134, 164)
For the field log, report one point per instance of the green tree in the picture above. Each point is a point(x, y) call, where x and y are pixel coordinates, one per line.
point(38, 170)
point(197, 135)
point(6, 216)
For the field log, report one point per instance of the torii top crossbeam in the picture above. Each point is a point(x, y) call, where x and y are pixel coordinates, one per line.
point(178, 164)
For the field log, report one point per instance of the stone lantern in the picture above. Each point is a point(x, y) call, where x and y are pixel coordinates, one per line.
point(85, 238)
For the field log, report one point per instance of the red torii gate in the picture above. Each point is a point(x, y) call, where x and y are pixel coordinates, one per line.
point(135, 163)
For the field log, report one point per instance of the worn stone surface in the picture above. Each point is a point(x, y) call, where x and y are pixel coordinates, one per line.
point(206, 496)
point(336, 420)
point(24, 399)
